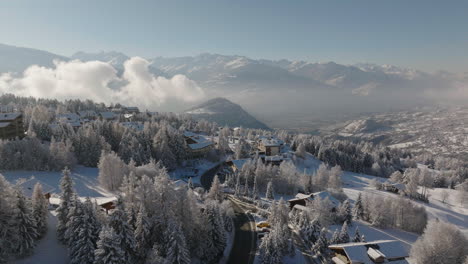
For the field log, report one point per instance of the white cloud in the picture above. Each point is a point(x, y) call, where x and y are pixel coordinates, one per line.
point(99, 81)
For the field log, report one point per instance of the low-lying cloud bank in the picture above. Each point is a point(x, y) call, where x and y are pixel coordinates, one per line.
point(100, 82)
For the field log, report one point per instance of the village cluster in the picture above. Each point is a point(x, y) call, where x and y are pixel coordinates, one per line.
point(175, 181)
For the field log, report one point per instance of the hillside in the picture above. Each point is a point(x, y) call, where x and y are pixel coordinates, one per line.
point(225, 112)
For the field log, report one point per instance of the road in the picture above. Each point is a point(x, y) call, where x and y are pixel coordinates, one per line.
point(244, 247)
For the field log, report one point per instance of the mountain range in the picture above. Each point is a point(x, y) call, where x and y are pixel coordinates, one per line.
point(280, 92)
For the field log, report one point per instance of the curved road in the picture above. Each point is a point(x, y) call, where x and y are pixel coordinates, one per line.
point(243, 249)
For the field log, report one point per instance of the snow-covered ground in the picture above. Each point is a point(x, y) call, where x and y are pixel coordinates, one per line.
point(353, 183)
point(85, 179)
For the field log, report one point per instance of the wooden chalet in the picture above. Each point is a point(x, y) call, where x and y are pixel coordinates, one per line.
point(197, 145)
point(11, 125)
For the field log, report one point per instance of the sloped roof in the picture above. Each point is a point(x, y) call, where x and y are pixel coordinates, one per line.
point(107, 115)
point(239, 163)
point(9, 116)
point(358, 252)
point(201, 145)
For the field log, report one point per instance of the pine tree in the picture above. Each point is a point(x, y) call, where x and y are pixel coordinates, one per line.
point(66, 186)
point(40, 209)
point(335, 239)
point(215, 192)
point(216, 230)
point(154, 256)
point(83, 246)
point(238, 186)
point(7, 224)
point(255, 189)
point(358, 210)
point(269, 191)
point(109, 249)
point(357, 236)
point(320, 247)
point(268, 250)
point(345, 212)
point(142, 233)
point(26, 226)
point(344, 236)
point(118, 222)
point(177, 252)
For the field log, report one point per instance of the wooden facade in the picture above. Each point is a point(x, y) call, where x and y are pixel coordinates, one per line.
point(11, 125)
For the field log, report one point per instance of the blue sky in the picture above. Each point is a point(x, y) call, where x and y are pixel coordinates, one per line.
point(427, 35)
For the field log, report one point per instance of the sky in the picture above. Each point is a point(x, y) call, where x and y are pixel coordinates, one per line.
point(421, 34)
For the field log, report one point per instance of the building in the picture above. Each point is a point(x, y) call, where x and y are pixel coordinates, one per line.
point(108, 116)
point(236, 165)
point(197, 145)
point(305, 199)
point(11, 125)
point(132, 110)
point(269, 146)
point(393, 187)
point(379, 251)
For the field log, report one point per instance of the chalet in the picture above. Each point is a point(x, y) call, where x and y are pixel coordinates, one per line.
point(107, 204)
point(379, 251)
point(132, 110)
point(305, 199)
point(27, 187)
point(87, 115)
point(236, 165)
point(107, 116)
point(269, 146)
point(300, 199)
point(11, 125)
point(393, 187)
point(197, 145)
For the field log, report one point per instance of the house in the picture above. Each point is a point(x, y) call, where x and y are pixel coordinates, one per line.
point(27, 187)
point(87, 114)
point(132, 110)
point(300, 199)
point(107, 203)
point(11, 125)
point(305, 199)
point(197, 145)
point(108, 116)
point(379, 251)
point(68, 118)
point(393, 187)
point(269, 146)
point(237, 165)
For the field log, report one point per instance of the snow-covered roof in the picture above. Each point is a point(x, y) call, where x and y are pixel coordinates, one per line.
point(361, 252)
point(190, 134)
point(239, 163)
point(270, 142)
point(200, 145)
point(9, 116)
point(300, 207)
point(107, 115)
point(399, 186)
point(28, 186)
point(133, 125)
point(86, 113)
point(68, 117)
point(303, 196)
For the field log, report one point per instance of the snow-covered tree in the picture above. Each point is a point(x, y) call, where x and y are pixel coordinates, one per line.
point(320, 247)
point(111, 171)
point(7, 224)
point(344, 212)
point(109, 249)
point(177, 251)
point(357, 236)
point(142, 233)
point(301, 150)
point(441, 243)
point(358, 209)
point(40, 209)
point(334, 181)
point(344, 236)
point(269, 191)
point(26, 226)
point(215, 192)
point(118, 222)
point(66, 186)
point(84, 242)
